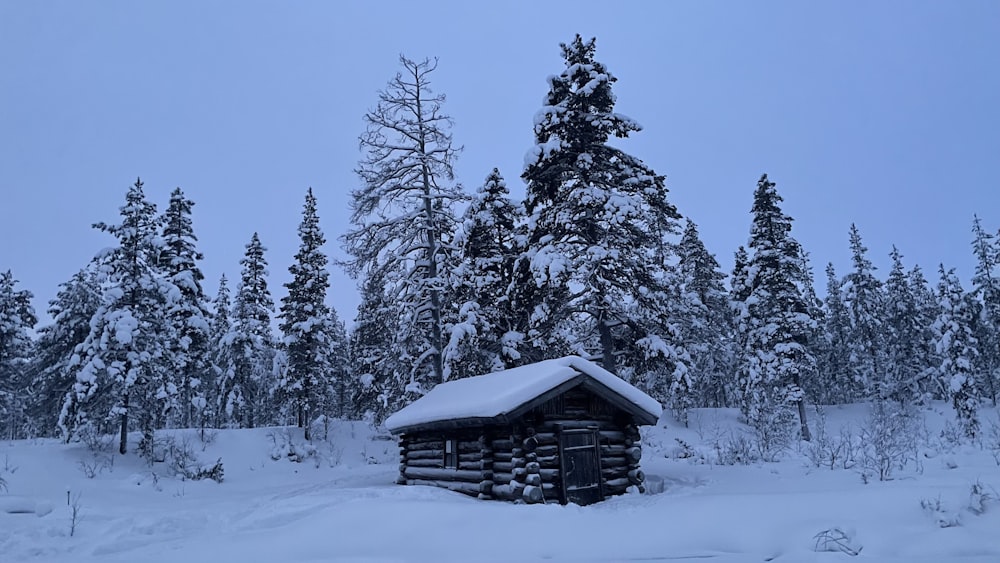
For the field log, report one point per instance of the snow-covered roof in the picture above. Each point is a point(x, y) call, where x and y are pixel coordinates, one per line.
point(491, 397)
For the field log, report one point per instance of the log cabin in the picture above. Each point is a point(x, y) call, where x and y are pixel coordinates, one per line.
point(563, 430)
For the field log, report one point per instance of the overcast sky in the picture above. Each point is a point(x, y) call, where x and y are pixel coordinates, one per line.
point(880, 113)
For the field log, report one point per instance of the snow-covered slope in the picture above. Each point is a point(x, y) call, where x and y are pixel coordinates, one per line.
point(339, 504)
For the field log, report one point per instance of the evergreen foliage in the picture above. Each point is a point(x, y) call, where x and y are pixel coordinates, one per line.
point(480, 336)
point(776, 317)
point(17, 318)
point(124, 375)
point(307, 383)
point(863, 296)
point(708, 327)
point(595, 248)
point(958, 349)
point(56, 360)
point(836, 384)
point(244, 387)
point(189, 349)
point(986, 290)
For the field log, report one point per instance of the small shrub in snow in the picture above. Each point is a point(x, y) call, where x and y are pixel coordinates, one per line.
point(888, 441)
point(736, 449)
point(831, 451)
point(951, 437)
point(6, 469)
point(683, 450)
point(774, 431)
point(992, 439)
point(283, 446)
point(980, 496)
point(836, 539)
point(943, 516)
point(75, 514)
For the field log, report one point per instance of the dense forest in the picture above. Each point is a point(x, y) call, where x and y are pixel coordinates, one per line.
point(595, 261)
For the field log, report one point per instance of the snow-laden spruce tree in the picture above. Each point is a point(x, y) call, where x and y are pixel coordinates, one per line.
point(925, 349)
point(189, 350)
point(17, 318)
point(959, 351)
point(53, 370)
point(775, 318)
point(864, 298)
point(909, 374)
point(305, 387)
point(708, 324)
point(222, 354)
point(481, 339)
point(243, 398)
point(835, 384)
point(124, 376)
point(400, 218)
point(986, 289)
point(371, 357)
point(598, 218)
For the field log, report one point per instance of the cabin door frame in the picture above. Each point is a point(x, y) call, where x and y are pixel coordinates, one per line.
point(580, 465)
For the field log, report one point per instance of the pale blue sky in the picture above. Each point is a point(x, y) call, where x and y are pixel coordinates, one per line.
point(881, 113)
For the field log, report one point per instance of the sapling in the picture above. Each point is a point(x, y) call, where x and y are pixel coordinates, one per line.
point(75, 513)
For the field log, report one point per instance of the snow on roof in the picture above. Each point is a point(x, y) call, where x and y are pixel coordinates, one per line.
point(498, 393)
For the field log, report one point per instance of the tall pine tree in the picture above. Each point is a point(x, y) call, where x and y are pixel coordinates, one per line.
point(17, 318)
point(864, 299)
point(958, 349)
point(54, 367)
point(307, 382)
point(189, 315)
point(776, 316)
point(986, 289)
point(124, 375)
point(480, 337)
point(244, 390)
point(598, 219)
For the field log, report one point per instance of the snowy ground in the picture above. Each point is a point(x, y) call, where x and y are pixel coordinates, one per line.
point(341, 505)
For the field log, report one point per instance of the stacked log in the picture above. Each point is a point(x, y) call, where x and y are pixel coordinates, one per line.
point(423, 463)
point(486, 466)
point(533, 492)
point(519, 474)
point(633, 454)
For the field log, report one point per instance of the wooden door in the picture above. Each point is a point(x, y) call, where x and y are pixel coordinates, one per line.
point(580, 456)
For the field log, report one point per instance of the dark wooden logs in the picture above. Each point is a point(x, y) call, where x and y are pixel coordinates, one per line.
point(425, 454)
point(436, 462)
point(486, 466)
point(434, 473)
point(426, 445)
point(460, 486)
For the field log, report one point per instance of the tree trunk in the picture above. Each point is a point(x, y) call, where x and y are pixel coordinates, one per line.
point(123, 440)
point(608, 361)
point(432, 270)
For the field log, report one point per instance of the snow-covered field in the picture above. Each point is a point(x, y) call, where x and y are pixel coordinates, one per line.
point(340, 504)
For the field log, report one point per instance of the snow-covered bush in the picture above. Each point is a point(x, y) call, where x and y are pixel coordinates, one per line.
point(943, 516)
point(737, 448)
point(889, 441)
point(102, 457)
point(980, 496)
point(830, 451)
point(991, 440)
point(773, 432)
